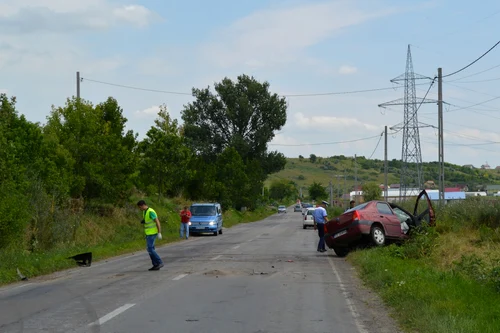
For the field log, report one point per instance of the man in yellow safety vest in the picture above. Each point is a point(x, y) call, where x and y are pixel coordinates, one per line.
point(152, 229)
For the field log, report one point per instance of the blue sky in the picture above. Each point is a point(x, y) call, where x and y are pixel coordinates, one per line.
point(300, 47)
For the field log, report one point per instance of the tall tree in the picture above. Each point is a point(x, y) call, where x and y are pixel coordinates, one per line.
point(242, 115)
point(165, 158)
point(281, 190)
point(103, 151)
point(317, 191)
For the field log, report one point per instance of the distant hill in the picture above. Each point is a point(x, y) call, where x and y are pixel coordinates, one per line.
point(341, 171)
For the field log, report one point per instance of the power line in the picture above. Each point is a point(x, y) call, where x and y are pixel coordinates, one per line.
point(323, 143)
point(481, 72)
point(470, 106)
point(472, 63)
point(380, 139)
point(284, 95)
point(137, 88)
point(479, 81)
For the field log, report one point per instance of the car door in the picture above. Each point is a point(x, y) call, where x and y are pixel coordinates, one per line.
point(390, 221)
point(424, 212)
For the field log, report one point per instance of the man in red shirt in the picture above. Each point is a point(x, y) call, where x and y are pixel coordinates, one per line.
point(185, 217)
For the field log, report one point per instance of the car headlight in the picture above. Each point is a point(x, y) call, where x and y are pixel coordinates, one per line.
point(189, 223)
point(211, 223)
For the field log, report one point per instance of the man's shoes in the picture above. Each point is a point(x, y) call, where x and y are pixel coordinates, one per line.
point(322, 250)
point(156, 267)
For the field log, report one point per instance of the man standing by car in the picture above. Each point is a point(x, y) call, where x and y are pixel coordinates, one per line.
point(185, 217)
point(351, 205)
point(320, 218)
point(152, 229)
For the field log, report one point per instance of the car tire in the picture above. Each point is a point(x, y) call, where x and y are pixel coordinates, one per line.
point(220, 231)
point(341, 251)
point(377, 236)
point(216, 233)
point(304, 227)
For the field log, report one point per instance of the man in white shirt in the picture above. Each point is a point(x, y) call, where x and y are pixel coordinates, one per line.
point(320, 218)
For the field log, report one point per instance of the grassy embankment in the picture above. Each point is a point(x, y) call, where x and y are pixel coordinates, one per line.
point(446, 279)
point(115, 232)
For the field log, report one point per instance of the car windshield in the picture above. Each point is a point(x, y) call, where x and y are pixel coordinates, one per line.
point(310, 211)
point(281, 207)
point(297, 206)
point(202, 210)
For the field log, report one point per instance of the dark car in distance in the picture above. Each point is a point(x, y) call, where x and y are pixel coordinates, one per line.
point(378, 222)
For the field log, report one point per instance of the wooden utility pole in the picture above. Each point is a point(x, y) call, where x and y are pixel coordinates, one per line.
point(355, 180)
point(386, 167)
point(331, 194)
point(440, 137)
point(78, 85)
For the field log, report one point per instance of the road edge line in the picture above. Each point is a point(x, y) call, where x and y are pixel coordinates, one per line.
point(350, 304)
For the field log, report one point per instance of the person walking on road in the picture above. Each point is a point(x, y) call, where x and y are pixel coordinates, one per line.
point(152, 229)
point(185, 217)
point(320, 218)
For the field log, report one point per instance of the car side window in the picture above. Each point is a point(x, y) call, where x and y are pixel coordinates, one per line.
point(384, 208)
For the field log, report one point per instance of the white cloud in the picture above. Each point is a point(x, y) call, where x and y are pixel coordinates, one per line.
point(331, 122)
point(280, 36)
point(63, 16)
point(148, 112)
point(345, 70)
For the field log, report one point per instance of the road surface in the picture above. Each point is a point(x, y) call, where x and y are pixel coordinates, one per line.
point(258, 277)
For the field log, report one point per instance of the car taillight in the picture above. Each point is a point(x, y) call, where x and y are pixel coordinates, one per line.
point(305, 217)
point(356, 216)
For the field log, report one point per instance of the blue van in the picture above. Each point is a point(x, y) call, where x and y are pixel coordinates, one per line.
point(206, 217)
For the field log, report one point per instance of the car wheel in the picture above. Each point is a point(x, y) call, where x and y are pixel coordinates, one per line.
point(341, 251)
point(220, 231)
point(215, 233)
point(378, 236)
point(304, 227)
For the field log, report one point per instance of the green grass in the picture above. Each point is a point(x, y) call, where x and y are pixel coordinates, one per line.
point(117, 233)
point(425, 299)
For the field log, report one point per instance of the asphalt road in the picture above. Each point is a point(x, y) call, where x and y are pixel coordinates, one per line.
point(259, 277)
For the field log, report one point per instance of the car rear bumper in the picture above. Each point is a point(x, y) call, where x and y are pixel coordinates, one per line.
point(308, 223)
point(348, 235)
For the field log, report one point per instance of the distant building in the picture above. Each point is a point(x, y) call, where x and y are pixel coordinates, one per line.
point(485, 166)
point(470, 166)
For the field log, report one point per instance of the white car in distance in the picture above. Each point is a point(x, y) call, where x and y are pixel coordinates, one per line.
point(308, 220)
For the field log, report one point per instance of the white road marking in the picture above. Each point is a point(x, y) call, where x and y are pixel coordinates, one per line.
point(251, 240)
point(235, 247)
point(350, 304)
point(178, 277)
point(217, 257)
point(111, 315)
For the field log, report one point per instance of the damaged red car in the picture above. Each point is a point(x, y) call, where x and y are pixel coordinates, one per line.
point(376, 222)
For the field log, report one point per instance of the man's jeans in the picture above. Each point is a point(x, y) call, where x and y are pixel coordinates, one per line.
point(321, 234)
point(185, 230)
point(155, 258)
